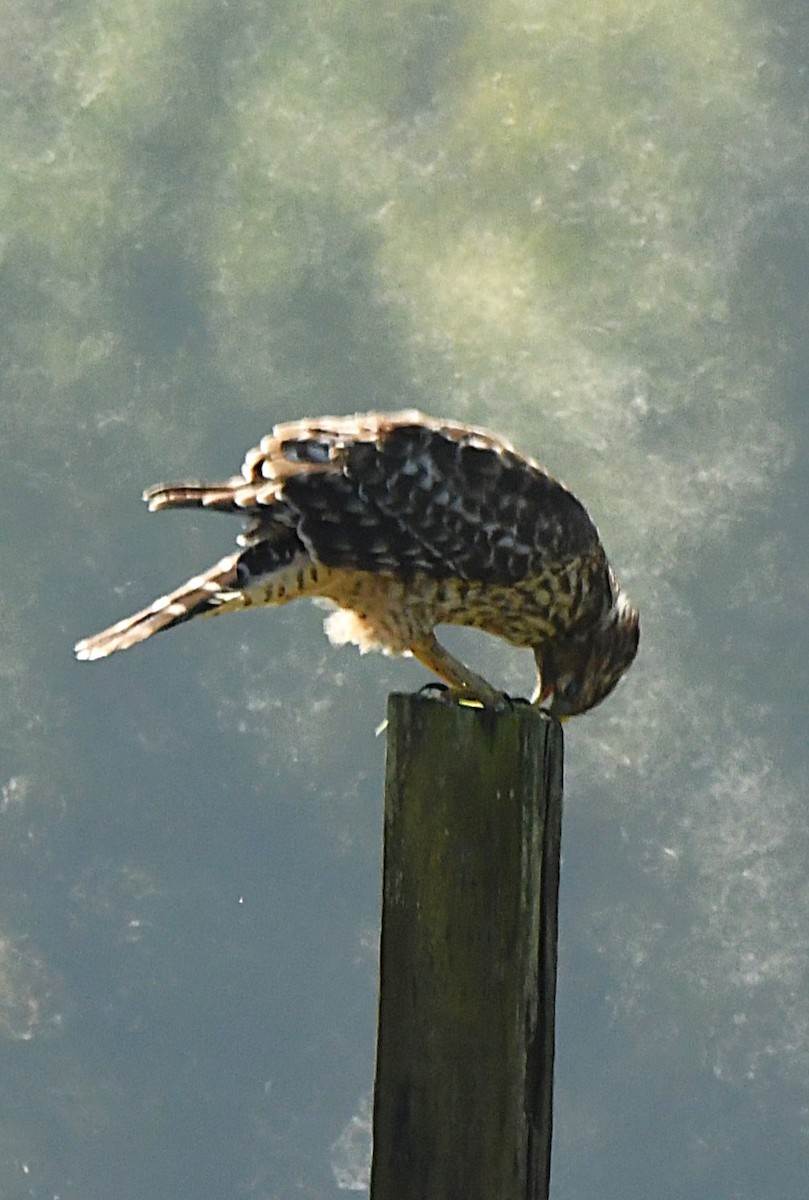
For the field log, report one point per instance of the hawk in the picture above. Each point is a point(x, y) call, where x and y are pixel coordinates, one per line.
point(404, 522)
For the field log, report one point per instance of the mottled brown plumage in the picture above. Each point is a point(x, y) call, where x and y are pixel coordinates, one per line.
point(404, 523)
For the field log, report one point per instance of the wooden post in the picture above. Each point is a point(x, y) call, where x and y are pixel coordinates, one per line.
point(462, 1103)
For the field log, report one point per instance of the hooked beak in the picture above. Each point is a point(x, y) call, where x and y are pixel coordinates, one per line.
point(543, 696)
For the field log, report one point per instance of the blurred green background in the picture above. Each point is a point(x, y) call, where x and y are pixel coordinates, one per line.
point(583, 225)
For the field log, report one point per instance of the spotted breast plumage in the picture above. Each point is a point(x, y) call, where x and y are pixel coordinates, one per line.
point(404, 523)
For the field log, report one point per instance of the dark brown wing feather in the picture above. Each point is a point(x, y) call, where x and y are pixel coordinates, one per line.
point(402, 493)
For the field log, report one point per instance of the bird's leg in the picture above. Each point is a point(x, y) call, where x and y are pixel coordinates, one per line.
point(432, 655)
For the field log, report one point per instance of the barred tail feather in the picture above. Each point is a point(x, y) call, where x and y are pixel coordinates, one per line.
point(219, 496)
point(212, 592)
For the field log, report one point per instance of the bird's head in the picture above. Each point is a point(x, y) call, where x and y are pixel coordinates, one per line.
point(581, 671)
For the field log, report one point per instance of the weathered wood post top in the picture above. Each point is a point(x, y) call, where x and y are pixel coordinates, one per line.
point(462, 1103)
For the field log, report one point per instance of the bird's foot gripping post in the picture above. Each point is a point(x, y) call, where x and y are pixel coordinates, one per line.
point(462, 1104)
point(462, 682)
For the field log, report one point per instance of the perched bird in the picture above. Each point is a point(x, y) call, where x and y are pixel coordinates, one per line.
point(404, 523)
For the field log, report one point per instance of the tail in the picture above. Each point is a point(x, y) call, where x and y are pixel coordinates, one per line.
point(215, 591)
point(218, 496)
